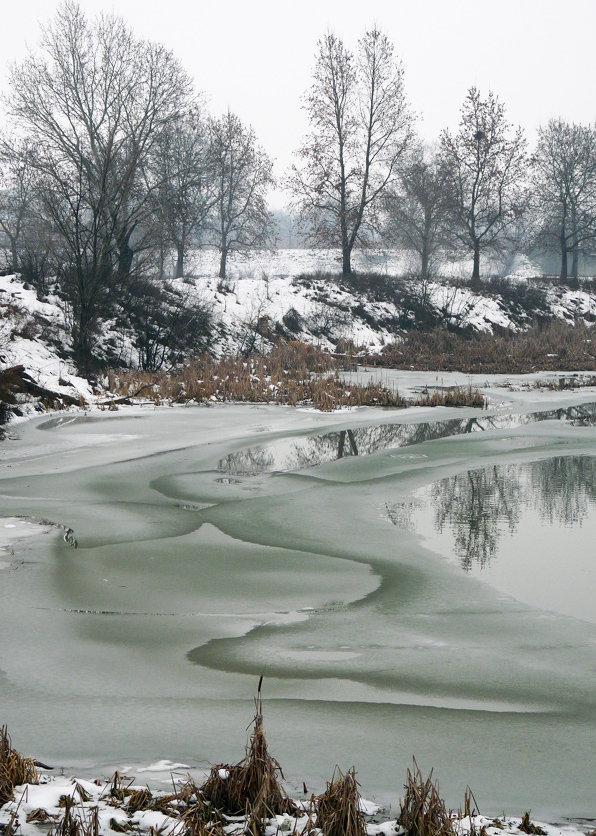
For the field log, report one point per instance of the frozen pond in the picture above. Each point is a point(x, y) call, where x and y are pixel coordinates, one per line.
point(417, 582)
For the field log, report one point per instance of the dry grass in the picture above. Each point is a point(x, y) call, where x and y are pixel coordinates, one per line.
point(423, 811)
point(338, 808)
point(198, 816)
point(528, 826)
point(139, 800)
point(14, 768)
point(291, 374)
point(555, 346)
point(251, 787)
point(250, 791)
point(458, 396)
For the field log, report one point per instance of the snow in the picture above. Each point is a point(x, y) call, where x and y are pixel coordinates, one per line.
point(46, 796)
point(14, 532)
point(24, 313)
point(264, 288)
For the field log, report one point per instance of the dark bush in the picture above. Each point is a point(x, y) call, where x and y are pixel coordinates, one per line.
point(293, 321)
point(167, 325)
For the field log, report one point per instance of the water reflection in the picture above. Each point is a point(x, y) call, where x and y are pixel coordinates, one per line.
point(294, 454)
point(480, 506)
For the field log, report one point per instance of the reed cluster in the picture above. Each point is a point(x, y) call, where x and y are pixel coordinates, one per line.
point(242, 799)
point(554, 346)
point(14, 768)
point(292, 374)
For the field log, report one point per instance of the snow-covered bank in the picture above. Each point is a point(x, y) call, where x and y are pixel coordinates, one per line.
point(101, 808)
point(324, 311)
point(33, 334)
point(265, 301)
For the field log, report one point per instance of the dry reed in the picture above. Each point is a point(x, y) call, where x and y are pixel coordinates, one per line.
point(251, 787)
point(14, 768)
point(423, 811)
point(527, 826)
point(457, 396)
point(555, 346)
point(338, 808)
point(291, 374)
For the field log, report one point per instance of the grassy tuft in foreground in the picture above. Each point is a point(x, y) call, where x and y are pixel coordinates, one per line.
point(14, 768)
point(245, 799)
point(251, 787)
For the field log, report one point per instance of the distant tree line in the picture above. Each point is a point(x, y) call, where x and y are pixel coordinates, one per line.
point(110, 163)
point(364, 178)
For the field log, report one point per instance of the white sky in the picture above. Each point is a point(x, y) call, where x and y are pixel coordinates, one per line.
point(256, 56)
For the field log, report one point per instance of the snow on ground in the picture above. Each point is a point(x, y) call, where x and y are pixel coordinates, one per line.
point(15, 530)
point(272, 285)
point(37, 808)
point(263, 300)
point(28, 331)
point(292, 262)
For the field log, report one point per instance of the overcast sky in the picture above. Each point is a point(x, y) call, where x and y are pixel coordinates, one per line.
point(256, 56)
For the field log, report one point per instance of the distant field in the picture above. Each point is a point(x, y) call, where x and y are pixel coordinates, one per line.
point(294, 262)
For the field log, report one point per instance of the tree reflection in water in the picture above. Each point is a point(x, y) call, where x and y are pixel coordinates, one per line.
point(364, 441)
point(477, 505)
point(480, 505)
point(249, 462)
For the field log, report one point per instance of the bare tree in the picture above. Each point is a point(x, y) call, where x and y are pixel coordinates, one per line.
point(17, 195)
point(485, 165)
point(242, 176)
point(93, 102)
point(361, 128)
point(181, 182)
point(564, 194)
point(416, 210)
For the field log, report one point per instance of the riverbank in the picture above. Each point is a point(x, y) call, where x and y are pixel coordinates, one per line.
point(251, 797)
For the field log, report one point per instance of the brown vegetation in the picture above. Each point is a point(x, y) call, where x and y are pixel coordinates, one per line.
point(457, 396)
point(423, 811)
point(555, 346)
point(242, 798)
point(528, 826)
point(338, 808)
point(251, 787)
point(291, 374)
point(14, 768)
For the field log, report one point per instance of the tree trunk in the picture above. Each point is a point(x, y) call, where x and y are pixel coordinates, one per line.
point(14, 256)
point(222, 262)
point(476, 269)
point(424, 267)
point(346, 261)
point(125, 257)
point(180, 261)
point(564, 274)
point(161, 262)
point(575, 263)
